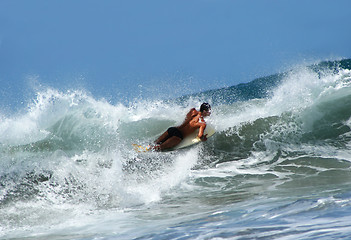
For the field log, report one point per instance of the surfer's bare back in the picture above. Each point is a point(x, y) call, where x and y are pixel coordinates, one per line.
point(174, 135)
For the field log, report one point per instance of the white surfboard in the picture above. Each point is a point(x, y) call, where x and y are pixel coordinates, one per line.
point(186, 142)
point(193, 139)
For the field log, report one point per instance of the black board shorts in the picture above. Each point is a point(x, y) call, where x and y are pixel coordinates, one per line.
point(173, 131)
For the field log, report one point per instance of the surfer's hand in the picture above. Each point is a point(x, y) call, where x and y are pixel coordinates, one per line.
point(204, 138)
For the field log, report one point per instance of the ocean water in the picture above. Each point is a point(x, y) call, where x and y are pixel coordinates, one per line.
point(278, 167)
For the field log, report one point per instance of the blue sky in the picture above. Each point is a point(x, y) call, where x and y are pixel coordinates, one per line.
point(124, 49)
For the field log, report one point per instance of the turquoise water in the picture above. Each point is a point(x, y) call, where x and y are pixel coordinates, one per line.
point(279, 166)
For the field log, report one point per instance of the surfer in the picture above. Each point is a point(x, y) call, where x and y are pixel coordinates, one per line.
point(174, 135)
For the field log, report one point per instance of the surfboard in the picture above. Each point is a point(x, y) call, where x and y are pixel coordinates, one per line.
point(186, 142)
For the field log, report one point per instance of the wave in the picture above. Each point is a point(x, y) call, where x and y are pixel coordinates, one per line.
point(70, 149)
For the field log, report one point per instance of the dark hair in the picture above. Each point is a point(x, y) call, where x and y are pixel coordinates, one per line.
point(205, 107)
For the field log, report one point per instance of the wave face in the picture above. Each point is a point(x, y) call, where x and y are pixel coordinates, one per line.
point(280, 161)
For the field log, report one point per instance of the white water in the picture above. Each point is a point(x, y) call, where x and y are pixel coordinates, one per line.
point(68, 169)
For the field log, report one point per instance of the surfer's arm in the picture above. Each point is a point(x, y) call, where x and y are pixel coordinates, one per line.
point(201, 131)
point(190, 115)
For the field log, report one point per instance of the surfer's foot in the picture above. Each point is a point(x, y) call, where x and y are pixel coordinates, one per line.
point(156, 148)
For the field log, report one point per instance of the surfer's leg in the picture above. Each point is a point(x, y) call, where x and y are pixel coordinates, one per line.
point(170, 142)
point(162, 138)
point(171, 138)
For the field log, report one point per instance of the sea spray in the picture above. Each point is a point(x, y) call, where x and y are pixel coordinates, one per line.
point(152, 188)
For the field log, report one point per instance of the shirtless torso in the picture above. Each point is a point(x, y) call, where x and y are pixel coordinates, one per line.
point(192, 122)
